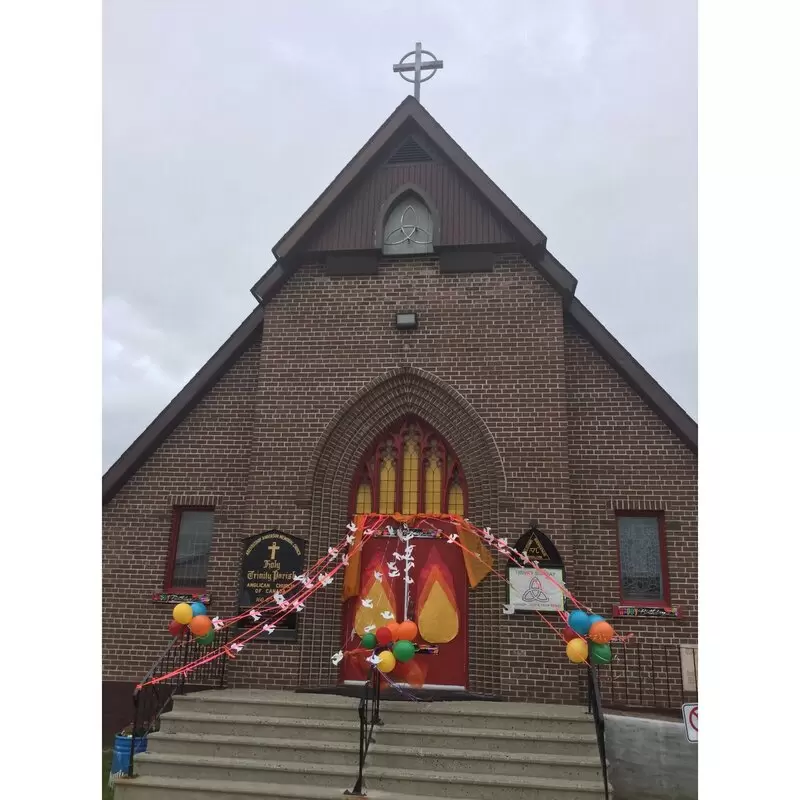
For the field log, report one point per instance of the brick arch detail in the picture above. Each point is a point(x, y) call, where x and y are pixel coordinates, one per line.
point(402, 392)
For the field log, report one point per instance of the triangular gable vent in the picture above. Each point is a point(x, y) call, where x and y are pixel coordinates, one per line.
point(409, 152)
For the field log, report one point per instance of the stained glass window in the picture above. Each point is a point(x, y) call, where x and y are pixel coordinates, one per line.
point(409, 471)
point(641, 568)
point(192, 547)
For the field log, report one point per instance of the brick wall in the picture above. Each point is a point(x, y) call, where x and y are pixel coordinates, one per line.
point(543, 427)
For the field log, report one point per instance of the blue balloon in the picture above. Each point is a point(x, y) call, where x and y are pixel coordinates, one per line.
point(579, 622)
point(198, 608)
point(595, 618)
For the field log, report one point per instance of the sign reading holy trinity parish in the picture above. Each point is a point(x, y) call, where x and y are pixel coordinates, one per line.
point(270, 562)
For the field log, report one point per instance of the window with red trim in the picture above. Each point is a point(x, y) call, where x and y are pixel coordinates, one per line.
point(409, 470)
point(642, 559)
point(190, 546)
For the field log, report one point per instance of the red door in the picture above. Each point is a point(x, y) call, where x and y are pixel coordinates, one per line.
point(437, 602)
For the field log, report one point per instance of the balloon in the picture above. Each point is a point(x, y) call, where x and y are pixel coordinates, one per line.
point(387, 662)
point(407, 630)
point(207, 639)
point(198, 608)
point(369, 641)
point(569, 634)
point(176, 629)
point(600, 654)
point(384, 636)
point(601, 632)
point(394, 627)
point(595, 618)
point(200, 626)
point(182, 613)
point(577, 651)
point(579, 622)
point(403, 650)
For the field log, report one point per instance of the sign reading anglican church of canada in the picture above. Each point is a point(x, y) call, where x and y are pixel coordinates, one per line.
point(269, 563)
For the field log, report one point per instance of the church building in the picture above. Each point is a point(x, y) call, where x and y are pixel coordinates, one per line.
point(415, 349)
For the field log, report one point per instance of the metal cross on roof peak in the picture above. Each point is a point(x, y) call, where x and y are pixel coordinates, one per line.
point(417, 66)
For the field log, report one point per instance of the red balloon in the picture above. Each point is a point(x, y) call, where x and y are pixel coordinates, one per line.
point(570, 634)
point(384, 636)
point(176, 629)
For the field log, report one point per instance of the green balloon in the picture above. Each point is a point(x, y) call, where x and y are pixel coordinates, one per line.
point(370, 641)
point(403, 650)
point(207, 639)
point(599, 653)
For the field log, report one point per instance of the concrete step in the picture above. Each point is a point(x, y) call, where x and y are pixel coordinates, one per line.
point(498, 716)
point(190, 789)
point(223, 746)
point(243, 702)
point(419, 783)
point(478, 762)
point(479, 787)
point(260, 727)
point(172, 765)
point(579, 744)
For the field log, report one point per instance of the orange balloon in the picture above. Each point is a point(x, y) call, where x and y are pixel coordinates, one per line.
point(394, 627)
point(200, 625)
point(601, 632)
point(407, 630)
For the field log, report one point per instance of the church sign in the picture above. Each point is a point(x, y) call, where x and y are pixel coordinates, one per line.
point(530, 589)
point(270, 562)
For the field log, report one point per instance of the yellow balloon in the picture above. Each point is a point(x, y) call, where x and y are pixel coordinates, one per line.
point(387, 662)
point(182, 613)
point(577, 651)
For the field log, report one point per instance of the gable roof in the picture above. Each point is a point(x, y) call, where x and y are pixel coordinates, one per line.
point(532, 242)
point(407, 117)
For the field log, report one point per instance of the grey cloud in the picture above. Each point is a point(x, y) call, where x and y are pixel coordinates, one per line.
point(223, 122)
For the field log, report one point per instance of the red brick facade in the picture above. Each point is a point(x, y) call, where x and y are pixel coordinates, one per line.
point(544, 426)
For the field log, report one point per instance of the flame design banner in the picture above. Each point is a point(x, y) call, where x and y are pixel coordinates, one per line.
point(438, 619)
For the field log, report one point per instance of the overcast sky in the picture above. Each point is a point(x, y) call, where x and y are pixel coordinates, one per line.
point(223, 121)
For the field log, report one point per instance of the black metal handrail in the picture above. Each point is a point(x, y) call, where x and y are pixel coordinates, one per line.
point(596, 710)
point(369, 715)
point(151, 701)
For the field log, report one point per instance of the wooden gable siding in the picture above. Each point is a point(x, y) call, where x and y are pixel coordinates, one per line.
point(464, 218)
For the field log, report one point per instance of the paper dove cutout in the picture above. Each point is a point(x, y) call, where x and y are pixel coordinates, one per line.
point(350, 539)
point(507, 609)
point(255, 615)
point(278, 598)
point(285, 605)
point(451, 538)
point(217, 623)
point(325, 579)
point(269, 629)
point(387, 615)
point(308, 583)
point(502, 543)
point(487, 531)
point(378, 576)
point(332, 551)
point(366, 602)
point(489, 538)
point(373, 659)
point(351, 526)
point(236, 646)
point(409, 548)
point(398, 557)
point(408, 579)
point(369, 628)
point(298, 605)
point(394, 574)
point(392, 566)
point(337, 657)
point(300, 578)
point(345, 559)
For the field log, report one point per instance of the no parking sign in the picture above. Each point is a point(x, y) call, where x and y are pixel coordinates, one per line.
point(690, 721)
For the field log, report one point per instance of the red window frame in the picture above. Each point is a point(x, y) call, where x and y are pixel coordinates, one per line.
point(175, 529)
point(369, 466)
point(662, 547)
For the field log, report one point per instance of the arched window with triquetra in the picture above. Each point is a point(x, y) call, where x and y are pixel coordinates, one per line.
point(410, 470)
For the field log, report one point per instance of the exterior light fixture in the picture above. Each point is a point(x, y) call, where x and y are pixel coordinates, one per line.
point(406, 320)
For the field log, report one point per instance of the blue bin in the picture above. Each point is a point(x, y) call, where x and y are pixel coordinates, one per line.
point(120, 757)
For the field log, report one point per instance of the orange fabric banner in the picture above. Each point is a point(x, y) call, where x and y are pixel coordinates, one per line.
point(477, 568)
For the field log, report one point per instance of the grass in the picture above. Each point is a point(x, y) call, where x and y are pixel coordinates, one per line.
point(108, 793)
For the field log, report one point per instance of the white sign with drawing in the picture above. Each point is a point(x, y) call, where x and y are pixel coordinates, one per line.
point(532, 591)
point(690, 721)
